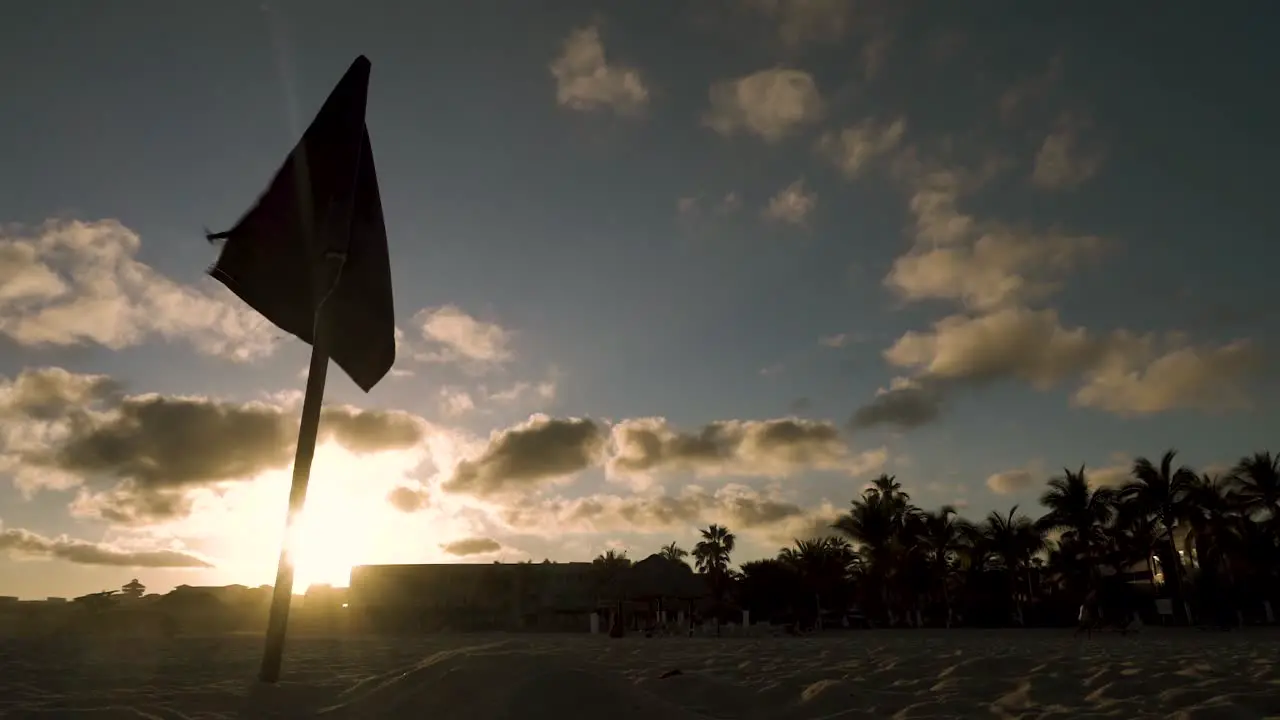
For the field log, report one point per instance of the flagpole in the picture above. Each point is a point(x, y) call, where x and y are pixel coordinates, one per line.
point(282, 594)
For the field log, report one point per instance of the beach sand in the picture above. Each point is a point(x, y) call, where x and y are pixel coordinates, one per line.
point(848, 675)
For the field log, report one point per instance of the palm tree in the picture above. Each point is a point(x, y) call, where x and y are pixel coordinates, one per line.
point(1258, 486)
point(880, 523)
point(1081, 513)
point(608, 566)
point(770, 588)
point(712, 553)
point(823, 565)
point(1013, 538)
point(1158, 493)
point(712, 556)
point(943, 535)
point(673, 552)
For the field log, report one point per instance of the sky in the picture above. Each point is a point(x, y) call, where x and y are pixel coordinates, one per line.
point(656, 265)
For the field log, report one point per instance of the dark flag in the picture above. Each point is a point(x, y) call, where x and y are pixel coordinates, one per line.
point(315, 239)
point(311, 256)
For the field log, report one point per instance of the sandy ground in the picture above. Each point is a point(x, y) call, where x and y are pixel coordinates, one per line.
point(857, 674)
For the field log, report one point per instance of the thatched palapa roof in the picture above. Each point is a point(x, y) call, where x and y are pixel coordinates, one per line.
point(658, 577)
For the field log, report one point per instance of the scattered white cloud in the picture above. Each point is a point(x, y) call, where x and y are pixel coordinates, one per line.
point(585, 80)
point(855, 147)
point(1011, 481)
point(1120, 372)
point(692, 207)
point(769, 104)
point(838, 340)
point(24, 543)
point(803, 22)
point(1015, 480)
point(459, 337)
point(1063, 161)
point(1135, 377)
point(455, 402)
point(981, 264)
point(771, 370)
point(1030, 90)
point(72, 283)
point(792, 205)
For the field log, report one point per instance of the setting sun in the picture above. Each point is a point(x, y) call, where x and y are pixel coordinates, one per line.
point(347, 520)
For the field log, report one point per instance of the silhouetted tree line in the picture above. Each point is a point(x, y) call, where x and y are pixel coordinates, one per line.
point(1208, 544)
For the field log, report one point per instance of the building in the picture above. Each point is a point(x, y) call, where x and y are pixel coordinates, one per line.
point(473, 596)
point(520, 596)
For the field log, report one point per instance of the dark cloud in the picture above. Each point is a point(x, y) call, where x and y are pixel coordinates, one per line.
point(903, 406)
point(738, 507)
point(153, 449)
point(25, 542)
point(407, 499)
point(472, 546)
point(528, 454)
point(49, 393)
point(371, 431)
point(157, 442)
point(777, 447)
point(131, 504)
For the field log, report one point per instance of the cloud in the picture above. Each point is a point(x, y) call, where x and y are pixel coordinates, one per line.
point(462, 337)
point(585, 81)
point(545, 391)
point(803, 22)
point(1029, 344)
point(1001, 267)
point(370, 431)
point(748, 448)
point(980, 264)
point(407, 499)
point(904, 404)
point(855, 147)
point(1030, 90)
point(1010, 481)
point(1119, 372)
point(1142, 380)
point(72, 283)
point(1112, 476)
point(472, 546)
point(49, 393)
point(692, 207)
point(792, 204)
point(742, 509)
point(25, 542)
point(455, 402)
point(540, 450)
point(154, 448)
point(837, 340)
point(769, 104)
point(1062, 163)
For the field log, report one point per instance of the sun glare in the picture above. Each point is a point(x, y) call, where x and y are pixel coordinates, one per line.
point(347, 520)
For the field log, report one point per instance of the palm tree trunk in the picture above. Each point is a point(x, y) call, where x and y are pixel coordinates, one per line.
point(1173, 574)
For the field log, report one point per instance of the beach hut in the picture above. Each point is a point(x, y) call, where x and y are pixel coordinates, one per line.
point(655, 590)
